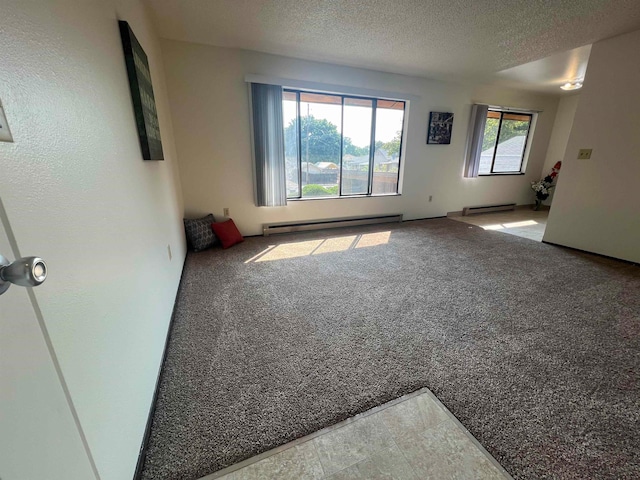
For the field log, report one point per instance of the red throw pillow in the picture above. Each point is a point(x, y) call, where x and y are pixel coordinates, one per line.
point(227, 232)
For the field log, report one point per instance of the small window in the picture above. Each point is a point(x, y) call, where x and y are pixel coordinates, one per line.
point(504, 143)
point(340, 145)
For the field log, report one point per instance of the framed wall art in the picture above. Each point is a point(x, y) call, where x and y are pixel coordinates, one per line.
point(440, 126)
point(144, 103)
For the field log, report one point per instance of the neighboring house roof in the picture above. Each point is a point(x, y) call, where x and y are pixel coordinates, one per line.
point(513, 146)
point(508, 157)
point(380, 157)
point(326, 165)
point(310, 167)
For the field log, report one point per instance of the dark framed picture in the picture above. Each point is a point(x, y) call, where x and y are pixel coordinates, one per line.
point(440, 126)
point(144, 103)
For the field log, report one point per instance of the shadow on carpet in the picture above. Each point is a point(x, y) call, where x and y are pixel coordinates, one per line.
point(534, 348)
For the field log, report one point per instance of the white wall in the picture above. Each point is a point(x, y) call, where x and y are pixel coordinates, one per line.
point(78, 193)
point(596, 201)
point(210, 111)
point(560, 135)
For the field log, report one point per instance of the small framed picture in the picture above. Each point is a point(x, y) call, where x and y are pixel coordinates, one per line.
point(440, 126)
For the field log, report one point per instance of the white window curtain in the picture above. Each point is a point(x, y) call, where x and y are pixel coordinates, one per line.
point(474, 141)
point(268, 140)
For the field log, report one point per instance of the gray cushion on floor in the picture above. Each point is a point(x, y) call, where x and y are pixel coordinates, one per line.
point(200, 236)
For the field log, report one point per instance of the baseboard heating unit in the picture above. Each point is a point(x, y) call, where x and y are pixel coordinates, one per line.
point(287, 227)
point(488, 208)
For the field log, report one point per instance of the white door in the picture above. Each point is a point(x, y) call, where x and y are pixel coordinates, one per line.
point(38, 435)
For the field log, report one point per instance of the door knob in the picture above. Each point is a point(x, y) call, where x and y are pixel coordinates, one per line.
point(27, 272)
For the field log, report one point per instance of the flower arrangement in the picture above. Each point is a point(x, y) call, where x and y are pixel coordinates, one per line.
point(542, 188)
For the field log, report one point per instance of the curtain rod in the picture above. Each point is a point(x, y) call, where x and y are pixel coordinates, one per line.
point(329, 87)
point(514, 109)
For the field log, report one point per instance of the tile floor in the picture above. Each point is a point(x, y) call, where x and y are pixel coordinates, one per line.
point(413, 437)
point(522, 222)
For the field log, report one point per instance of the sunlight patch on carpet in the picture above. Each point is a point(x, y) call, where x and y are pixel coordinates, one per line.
point(316, 247)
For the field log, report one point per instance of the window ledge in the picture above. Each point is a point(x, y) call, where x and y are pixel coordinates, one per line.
point(500, 174)
point(305, 199)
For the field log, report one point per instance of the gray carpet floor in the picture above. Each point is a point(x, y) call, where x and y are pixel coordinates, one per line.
point(534, 348)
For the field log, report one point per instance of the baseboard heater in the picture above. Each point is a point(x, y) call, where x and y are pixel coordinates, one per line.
point(271, 228)
point(488, 208)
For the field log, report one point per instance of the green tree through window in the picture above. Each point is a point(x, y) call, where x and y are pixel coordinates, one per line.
point(508, 130)
point(341, 145)
point(319, 141)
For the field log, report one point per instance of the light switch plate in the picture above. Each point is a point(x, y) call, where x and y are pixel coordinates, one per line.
point(584, 153)
point(5, 133)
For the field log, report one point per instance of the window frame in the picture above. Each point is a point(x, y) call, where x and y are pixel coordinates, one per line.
point(525, 152)
point(372, 140)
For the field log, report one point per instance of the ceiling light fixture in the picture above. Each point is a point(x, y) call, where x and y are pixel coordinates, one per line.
point(571, 86)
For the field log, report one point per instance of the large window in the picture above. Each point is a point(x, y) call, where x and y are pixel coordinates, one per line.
point(340, 145)
point(504, 142)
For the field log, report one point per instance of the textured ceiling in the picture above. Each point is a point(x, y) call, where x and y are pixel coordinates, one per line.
point(446, 39)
